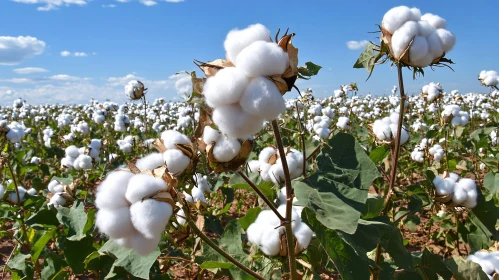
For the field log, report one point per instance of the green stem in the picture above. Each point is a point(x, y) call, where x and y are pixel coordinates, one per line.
point(21, 214)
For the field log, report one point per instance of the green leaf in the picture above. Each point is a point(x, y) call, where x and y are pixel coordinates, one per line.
point(65, 181)
point(74, 220)
point(349, 263)
point(237, 182)
point(485, 215)
point(374, 206)
point(465, 270)
point(491, 182)
point(128, 259)
point(435, 263)
point(337, 192)
point(379, 154)
point(250, 217)
point(18, 262)
point(215, 265)
point(310, 69)
point(44, 217)
point(366, 58)
point(75, 253)
point(52, 264)
point(40, 244)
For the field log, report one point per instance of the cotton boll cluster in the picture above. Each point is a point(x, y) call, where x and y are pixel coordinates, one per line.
point(175, 159)
point(15, 132)
point(266, 231)
point(64, 120)
point(462, 190)
point(48, 133)
point(126, 144)
point(76, 158)
point(437, 152)
point(129, 214)
point(14, 199)
point(150, 162)
point(489, 78)
point(452, 113)
point(242, 96)
point(270, 168)
point(135, 90)
point(386, 129)
point(81, 128)
point(417, 155)
point(432, 91)
point(321, 126)
point(59, 196)
point(493, 137)
point(417, 40)
point(94, 149)
point(343, 123)
point(489, 261)
point(121, 122)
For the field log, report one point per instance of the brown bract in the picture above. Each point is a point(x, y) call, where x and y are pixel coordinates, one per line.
point(284, 250)
point(186, 149)
point(138, 93)
point(232, 165)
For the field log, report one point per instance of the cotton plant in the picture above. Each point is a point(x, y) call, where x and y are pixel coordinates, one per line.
point(270, 168)
point(455, 190)
point(489, 78)
point(453, 114)
point(48, 133)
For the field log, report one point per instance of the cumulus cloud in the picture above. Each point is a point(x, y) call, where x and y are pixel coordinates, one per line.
point(148, 3)
point(357, 45)
point(65, 53)
point(122, 81)
point(57, 78)
point(48, 5)
point(29, 70)
point(78, 54)
point(174, 1)
point(13, 50)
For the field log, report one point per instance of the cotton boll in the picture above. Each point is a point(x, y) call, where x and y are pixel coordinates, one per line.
point(181, 217)
point(303, 235)
point(487, 266)
point(416, 14)
point(226, 87)
point(57, 200)
point(198, 195)
point(264, 172)
point(115, 223)
point(262, 99)
point(150, 162)
point(453, 176)
point(55, 187)
point(237, 40)
point(490, 81)
point(235, 122)
point(84, 162)
point(144, 246)
point(13, 195)
point(176, 161)
point(271, 241)
point(143, 185)
point(434, 20)
point(396, 17)
point(269, 218)
point(295, 218)
point(418, 49)
point(467, 184)
point(210, 135)
point(447, 39)
point(255, 233)
point(425, 28)
point(2, 191)
point(111, 192)
point(266, 153)
point(32, 192)
point(262, 59)
point(226, 149)
point(72, 151)
point(172, 137)
point(435, 45)
point(323, 132)
point(403, 36)
point(276, 173)
point(254, 166)
point(150, 217)
point(471, 200)
point(459, 196)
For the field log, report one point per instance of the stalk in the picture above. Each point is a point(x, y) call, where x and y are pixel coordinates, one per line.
point(289, 202)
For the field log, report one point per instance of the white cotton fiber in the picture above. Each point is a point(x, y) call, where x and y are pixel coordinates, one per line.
point(150, 217)
point(255, 233)
point(396, 17)
point(435, 46)
point(111, 192)
point(150, 162)
point(425, 28)
point(264, 172)
point(295, 218)
point(434, 20)
point(447, 39)
point(198, 195)
point(263, 99)
point(453, 176)
point(115, 223)
point(403, 36)
point(471, 200)
point(12, 197)
point(226, 149)
point(303, 235)
point(142, 245)
point(271, 241)
point(276, 173)
point(416, 14)
point(226, 87)
point(266, 153)
point(181, 217)
point(210, 135)
point(262, 59)
point(142, 185)
point(459, 196)
point(72, 151)
point(237, 40)
point(254, 166)
point(176, 161)
point(172, 137)
point(234, 121)
point(268, 217)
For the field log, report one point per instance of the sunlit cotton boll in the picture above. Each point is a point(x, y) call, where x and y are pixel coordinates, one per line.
point(447, 39)
point(434, 20)
point(237, 40)
point(210, 135)
point(141, 186)
point(225, 88)
point(419, 48)
point(172, 137)
point(226, 148)
point(12, 197)
point(263, 99)
point(396, 17)
point(234, 121)
point(57, 200)
point(176, 161)
point(111, 192)
point(115, 223)
point(150, 217)
point(150, 162)
point(403, 36)
point(262, 59)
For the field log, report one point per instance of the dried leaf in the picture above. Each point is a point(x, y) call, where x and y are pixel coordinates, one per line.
point(200, 222)
point(133, 168)
point(211, 68)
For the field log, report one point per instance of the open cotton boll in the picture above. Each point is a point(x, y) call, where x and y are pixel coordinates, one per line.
point(237, 40)
point(425, 28)
point(2, 190)
point(323, 132)
point(55, 187)
point(115, 223)
point(419, 48)
point(403, 36)
point(447, 39)
point(262, 59)
point(459, 195)
point(83, 162)
point(486, 265)
point(434, 20)
point(150, 217)
point(176, 161)
point(416, 14)
point(303, 235)
point(111, 192)
point(471, 199)
point(13, 196)
point(225, 88)
point(72, 151)
point(266, 153)
point(226, 148)
point(181, 217)
point(264, 172)
point(143, 185)
point(188, 197)
point(95, 144)
point(210, 135)
point(150, 162)
point(396, 17)
point(262, 99)
point(57, 200)
point(271, 241)
point(142, 245)
point(235, 122)
point(295, 218)
point(172, 137)
point(254, 166)
point(453, 176)
point(276, 173)
point(435, 45)
point(198, 195)
point(268, 217)
point(255, 233)
point(202, 182)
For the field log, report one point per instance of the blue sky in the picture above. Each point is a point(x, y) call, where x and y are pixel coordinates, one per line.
point(112, 41)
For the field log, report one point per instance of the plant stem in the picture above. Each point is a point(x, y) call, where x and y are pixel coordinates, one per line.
point(289, 202)
point(144, 101)
point(260, 194)
point(395, 157)
point(302, 138)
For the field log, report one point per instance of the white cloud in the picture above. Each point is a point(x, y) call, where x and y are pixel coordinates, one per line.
point(174, 1)
point(65, 53)
point(109, 6)
point(357, 45)
point(48, 5)
point(64, 77)
point(148, 3)
point(54, 78)
point(80, 54)
point(13, 50)
point(121, 81)
point(29, 70)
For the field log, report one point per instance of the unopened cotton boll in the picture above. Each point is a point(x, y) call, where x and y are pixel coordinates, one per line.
point(263, 99)
point(176, 161)
point(237, 40)
point(111, 192)
point(141, 186)
point(225, 88)
point(150, 162)
point(172, 137)
point(150, 217)
point(210, 135)
point(115, 223)
point(235, 122)
point(226, 148)
point(262, 59)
